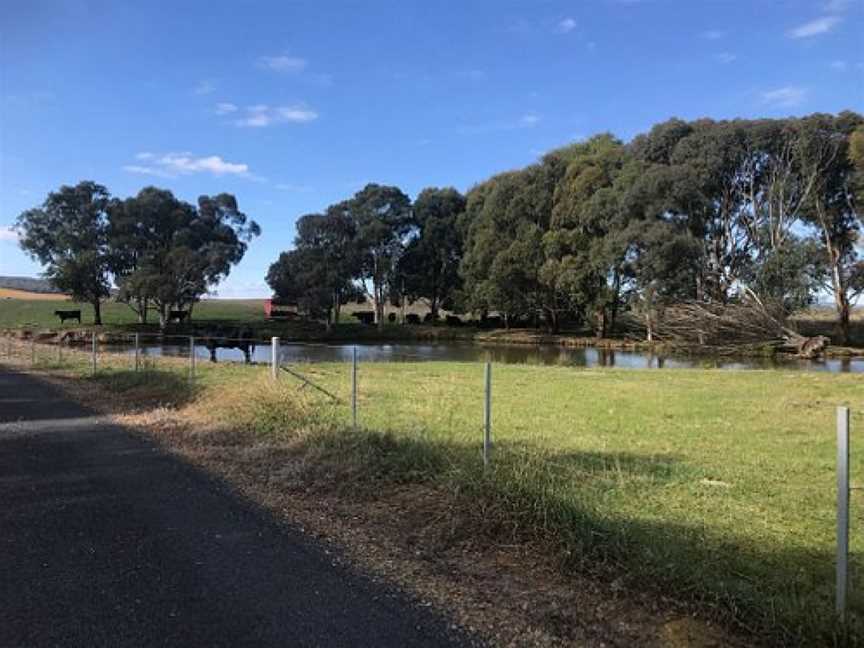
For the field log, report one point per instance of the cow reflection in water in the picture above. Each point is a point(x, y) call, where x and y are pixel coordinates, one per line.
point(231, 338)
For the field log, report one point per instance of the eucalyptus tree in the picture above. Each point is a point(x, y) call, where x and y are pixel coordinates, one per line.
point(68, 235)
point(826, 152)
point(170, 253)
point(318, 273)
point(381, 216)
point(429, 266)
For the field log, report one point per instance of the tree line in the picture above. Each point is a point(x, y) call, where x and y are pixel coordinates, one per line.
point(160, 252)
point(702, 211)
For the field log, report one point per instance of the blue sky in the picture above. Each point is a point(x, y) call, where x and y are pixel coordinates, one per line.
point(294, 105)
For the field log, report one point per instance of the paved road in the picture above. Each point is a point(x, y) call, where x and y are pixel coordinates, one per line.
point(106, 541)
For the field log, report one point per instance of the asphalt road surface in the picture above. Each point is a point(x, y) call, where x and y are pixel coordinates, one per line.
point(107, 541)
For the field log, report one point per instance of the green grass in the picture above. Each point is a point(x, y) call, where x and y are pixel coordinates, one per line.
point(22, 313)
point(714, 486)
point(717, 487)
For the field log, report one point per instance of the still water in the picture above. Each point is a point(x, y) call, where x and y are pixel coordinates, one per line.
point(527, 354)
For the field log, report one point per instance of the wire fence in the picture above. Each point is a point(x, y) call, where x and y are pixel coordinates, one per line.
point(613, 444)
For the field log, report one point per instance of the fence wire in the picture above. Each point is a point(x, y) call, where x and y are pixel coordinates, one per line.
point(580, 449)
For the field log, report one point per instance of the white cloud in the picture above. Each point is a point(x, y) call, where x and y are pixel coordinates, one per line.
point(171, 165)
point(785, 97)
point(565, 26)
point(145, 170)
point(725, 57)
point(528, 120)
point(203, 88)
point(815, 27)
point(713, 34)
point(283, 63)
point(839, 65)
point(7, 233)
point(262, 115)
point(225, 108)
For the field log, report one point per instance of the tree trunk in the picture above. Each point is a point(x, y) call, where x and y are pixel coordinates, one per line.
point(649, 327)
point(97, 312)
point(163, 316)
point(600, 329)
point(843, 319)
point(337, 306)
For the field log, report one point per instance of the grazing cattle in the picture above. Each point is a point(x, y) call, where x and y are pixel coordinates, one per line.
point(453, 320)
point(412, 318)
point(391, 318)
point(491, 322)
point(429, 318)
point(68, 314)
point(365, 317)
point(231, 338)
point(178, 316)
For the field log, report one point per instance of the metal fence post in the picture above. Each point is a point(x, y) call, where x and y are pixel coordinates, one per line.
point(842, 510)
point(487, 417)
point(93, 351)
point(33, 350)
point(60, 351)
point(191, 359)
point(354, 387)
point(274, 358)
point(137, 351)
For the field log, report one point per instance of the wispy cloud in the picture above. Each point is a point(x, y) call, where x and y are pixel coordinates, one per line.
point(263, 115)
point(171, 165)
point(725, 57)
point(294, 188)
point(7, 233)
point(815, 27)
point(713, 34)
point(529, 120)
point(786, 97)
point(226, 108)
point(566, 25)
point(283, 63)
point(203, 88)
point(839, 65)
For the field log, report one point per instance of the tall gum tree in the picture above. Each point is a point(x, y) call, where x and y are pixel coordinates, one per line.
point(68, 235)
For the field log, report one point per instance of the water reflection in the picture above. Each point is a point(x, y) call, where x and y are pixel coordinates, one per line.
point(521, 354)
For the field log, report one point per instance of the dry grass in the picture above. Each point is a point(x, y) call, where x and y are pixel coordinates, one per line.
point(11, 293)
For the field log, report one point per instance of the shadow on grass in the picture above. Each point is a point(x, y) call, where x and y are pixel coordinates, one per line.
point(780, 594)
point(129, 391)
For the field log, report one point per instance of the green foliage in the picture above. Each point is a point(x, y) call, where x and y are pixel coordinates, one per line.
point(168, 253)
point(429, 267)
point(69, 236)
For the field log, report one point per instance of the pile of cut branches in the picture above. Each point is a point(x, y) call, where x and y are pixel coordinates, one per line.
point(744, 326)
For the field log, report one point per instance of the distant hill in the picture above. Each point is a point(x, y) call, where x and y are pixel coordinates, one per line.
point(28, 284)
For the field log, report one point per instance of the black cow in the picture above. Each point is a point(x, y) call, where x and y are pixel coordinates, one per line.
point(491, 322)
point(412, 318)
point(178, 316)
point(452, 320)
point(231, 338)
point(365, 317)
point(68, 314)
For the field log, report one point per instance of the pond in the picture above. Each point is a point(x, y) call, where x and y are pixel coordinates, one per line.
point(511, 354)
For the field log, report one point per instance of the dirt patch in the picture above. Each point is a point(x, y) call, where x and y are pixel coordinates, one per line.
point(433, 542)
